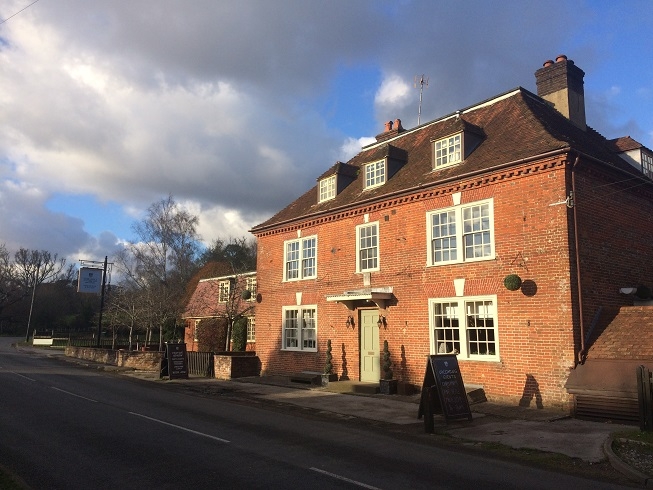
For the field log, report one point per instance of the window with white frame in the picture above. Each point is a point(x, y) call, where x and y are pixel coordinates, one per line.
point(223, 293)
point(375, 174)
point(300, 328)
point(196, 330)
point(647, 165)
point(465, 326)
point(462, 233)
point(367, 237)
point(250, 285)
point(328, 188)
point(300, 259)
point(447, 151)
point(251, 329)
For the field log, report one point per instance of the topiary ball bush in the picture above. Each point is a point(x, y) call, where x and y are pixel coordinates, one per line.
point(512, 282)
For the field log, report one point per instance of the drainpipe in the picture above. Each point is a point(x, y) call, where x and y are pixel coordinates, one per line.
point(581, 353)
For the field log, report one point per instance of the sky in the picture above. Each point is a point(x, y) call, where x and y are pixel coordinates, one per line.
point(236, 107)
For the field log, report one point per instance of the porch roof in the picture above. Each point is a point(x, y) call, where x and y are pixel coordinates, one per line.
point(355, 297)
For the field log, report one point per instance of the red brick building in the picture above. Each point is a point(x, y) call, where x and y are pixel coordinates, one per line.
point(410, 242)
point(224, 298)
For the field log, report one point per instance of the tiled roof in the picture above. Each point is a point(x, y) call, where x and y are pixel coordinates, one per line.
point(204, 301)
point(514, 126)
point(622, 333)
point(625, 143)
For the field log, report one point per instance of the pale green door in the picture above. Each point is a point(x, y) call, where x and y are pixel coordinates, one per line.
point(370, 353)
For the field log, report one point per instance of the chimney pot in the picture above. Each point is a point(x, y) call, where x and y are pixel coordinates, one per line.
point(561, 57)
point(388, 126)
point(548, 63)
point(398, 125)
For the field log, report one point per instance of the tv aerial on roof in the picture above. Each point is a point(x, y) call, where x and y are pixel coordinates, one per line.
point(422, 82)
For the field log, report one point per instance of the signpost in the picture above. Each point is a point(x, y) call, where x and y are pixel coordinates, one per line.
point(443, 391)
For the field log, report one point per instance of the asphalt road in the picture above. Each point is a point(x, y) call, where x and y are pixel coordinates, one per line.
point(66, 427)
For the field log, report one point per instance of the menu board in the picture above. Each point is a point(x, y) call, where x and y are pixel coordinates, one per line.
point(177, 361)
point(443, 391)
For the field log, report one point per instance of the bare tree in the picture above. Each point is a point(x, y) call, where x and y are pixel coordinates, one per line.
point(10, 287)
point(162, 261)
point(34, 267)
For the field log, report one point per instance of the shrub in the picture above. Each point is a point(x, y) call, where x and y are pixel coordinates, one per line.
point(239, 335)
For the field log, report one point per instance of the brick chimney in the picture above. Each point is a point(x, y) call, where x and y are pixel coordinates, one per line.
point(561, 84)
point(389, 131)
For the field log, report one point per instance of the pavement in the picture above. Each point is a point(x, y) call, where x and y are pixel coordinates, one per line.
point(518, 427)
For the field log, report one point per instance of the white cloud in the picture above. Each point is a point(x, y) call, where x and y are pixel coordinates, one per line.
point(394, 92)
point(352, 146)
point(131, 101)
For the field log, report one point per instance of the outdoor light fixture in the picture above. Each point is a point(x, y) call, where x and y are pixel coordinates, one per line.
point(350, 321)
point(381, 321)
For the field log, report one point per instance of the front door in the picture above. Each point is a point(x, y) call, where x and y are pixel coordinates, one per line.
point(370, 353)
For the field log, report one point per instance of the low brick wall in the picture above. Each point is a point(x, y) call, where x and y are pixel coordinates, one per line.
point(236, 365)
point(143, 361)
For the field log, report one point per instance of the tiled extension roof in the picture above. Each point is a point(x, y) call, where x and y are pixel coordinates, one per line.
point(625, 143)
point(623, 333)
point(514, 126)
point(204, 301)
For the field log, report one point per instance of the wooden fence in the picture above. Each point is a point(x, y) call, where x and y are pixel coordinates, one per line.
point(645, 398)
point(201, 364)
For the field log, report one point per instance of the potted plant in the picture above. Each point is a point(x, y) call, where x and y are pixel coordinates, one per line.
point(328, 367)
point(387, 385)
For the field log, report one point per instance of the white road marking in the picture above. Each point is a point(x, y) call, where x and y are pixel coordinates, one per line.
point(349, 480)
point(179, 427)
point(73, 394)
point(22, 375)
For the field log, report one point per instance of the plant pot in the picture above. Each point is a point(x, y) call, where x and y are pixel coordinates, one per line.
point(388, 386)
point(328, 377)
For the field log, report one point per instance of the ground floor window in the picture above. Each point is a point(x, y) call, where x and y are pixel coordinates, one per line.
point(251, 329)
point(465, 326)
point(300, 328)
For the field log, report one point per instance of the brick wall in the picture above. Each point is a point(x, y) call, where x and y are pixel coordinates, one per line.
point(235, 366)
point(143, 361)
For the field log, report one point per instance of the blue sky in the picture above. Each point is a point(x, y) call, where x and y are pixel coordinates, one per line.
point(235, 108)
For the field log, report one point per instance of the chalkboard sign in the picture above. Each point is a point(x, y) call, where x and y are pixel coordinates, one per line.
point(443, 391)
point(177, 361)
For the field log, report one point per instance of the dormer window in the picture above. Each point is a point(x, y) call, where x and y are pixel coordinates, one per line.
point(448, 151)
point(647, 165)
point(375, 174)
point(327, 188)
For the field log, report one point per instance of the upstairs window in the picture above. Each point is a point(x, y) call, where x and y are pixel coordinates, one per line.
point(375, 174)
point(223, 293)
point(367, 247)
point(461, 234)
point(448, 151)
point(328, 188)
point(301, 259)
point(250, 286)
point(647, 165)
